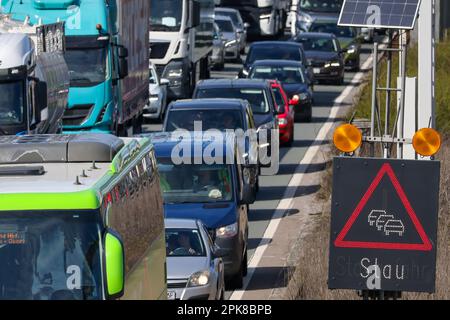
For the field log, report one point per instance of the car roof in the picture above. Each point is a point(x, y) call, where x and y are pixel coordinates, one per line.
point(219, 17)
point(233, 83)
point(275, 43)
point(277, 63)
point(214, 103)
point(316, 35)
point(171, 223)
point(223, 9)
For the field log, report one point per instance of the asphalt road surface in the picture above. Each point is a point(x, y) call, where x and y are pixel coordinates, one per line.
point(272, 188)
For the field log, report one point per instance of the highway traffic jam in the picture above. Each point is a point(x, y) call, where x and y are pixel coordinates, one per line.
point(93, 206)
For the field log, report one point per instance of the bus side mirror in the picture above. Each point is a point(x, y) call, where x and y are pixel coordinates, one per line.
point(114, 265)
point(39, 97)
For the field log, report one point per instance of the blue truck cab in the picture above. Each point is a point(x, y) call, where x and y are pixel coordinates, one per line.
point(97, 57)
point(216, 193)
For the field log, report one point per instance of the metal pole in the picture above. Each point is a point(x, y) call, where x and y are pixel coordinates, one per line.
point(374, 97)
point(402, 96)
point(388, 96)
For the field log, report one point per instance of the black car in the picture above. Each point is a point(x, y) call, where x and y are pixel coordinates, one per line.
point(324, 54)
point(349, 38)
point(292, 75)
point(257, 92)
point(274, 50)
point(218, 114)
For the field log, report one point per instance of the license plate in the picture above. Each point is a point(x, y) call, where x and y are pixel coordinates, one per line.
point(171, 295)
point(316, 70)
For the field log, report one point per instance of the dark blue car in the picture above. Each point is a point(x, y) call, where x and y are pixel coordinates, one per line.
point(216, 194)
point(293, 77)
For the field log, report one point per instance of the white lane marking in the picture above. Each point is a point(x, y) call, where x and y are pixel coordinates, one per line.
point(295, 182)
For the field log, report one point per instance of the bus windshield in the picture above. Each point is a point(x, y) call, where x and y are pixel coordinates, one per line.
point(195, 183)
point(50, 256)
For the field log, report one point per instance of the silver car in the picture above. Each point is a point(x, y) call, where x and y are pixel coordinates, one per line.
point(217, 60)
point(158, 96)
point(232, 47)
point(239, 24)
point(195, 270)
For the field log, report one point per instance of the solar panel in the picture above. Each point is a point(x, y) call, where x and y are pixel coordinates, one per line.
point(391, 14)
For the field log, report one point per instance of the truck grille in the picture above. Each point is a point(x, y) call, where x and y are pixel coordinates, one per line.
point(158, 50)
point(76, 115)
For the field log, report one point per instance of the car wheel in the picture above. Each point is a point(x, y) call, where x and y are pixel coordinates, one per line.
point(291, 139)
point(237, 281)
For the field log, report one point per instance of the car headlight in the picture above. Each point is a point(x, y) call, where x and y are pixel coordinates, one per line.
point(351, 49)
point(282, 121)
point(245, 72)
point(227, 231)
point(230, 43)
point(175, 73)
point(332, 64)
point(303, 96)
point(199, 279)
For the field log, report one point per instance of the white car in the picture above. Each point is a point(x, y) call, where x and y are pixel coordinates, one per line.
point(156, 107)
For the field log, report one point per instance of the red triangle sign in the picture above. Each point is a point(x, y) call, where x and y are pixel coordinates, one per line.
point(386, 169)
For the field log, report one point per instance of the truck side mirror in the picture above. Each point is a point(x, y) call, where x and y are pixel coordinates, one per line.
point(114, 265)
point(123, 52)
point(40, 98)
point(195, 14)
point(123, 67)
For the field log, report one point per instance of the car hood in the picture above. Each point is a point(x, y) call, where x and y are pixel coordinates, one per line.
point(229, 36)
point(321, 56)
point(184, 267)
point(213, 215)
point(261, 119)
point(292, 89)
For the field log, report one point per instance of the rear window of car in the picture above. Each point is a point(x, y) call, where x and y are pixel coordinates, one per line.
point(284, 74)
point(210, 119)
point(256, 97)
point(274, 53)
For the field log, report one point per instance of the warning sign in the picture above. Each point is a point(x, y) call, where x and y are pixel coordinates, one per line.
point(384, 224)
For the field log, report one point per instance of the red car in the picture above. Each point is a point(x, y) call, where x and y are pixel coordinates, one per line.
point(286, 114)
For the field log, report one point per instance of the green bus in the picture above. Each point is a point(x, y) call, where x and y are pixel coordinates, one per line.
point(81, 217)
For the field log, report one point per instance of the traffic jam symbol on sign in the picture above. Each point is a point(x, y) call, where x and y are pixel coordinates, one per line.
point(383, 231)
point(385, 221)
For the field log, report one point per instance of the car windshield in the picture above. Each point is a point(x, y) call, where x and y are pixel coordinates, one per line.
point(194, 183)
point(11, 102)
point(318, 44)
point(232, 15)
point(184, 243)
point(340, 32)
point(269, 52)
point(166, 15)
point(284, 74)
point(87, 66)
point(256, 97)
point(210, 119)
point(321, 5)
point(225, 25)
point(50, 256)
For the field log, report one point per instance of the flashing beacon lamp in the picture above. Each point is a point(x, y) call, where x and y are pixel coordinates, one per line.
point(347, 138)
point(427, 142)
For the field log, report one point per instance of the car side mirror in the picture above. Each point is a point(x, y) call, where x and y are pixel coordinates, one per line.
point(164, 82)
point(294, 100)
point(114, 265)
point(247, 195)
